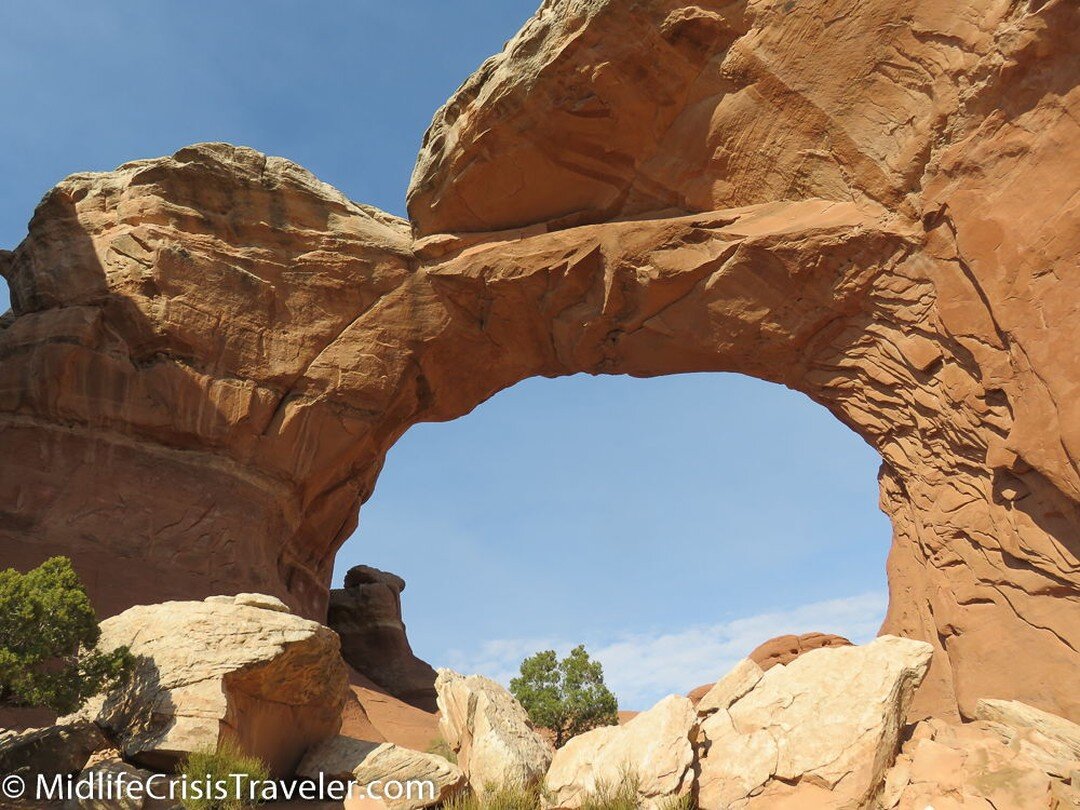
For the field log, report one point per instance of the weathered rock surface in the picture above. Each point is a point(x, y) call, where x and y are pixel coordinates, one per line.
point(210, 354)
point(951, 766)
point(1051, 741)
point(828, 721)
point(366, 614)
point(489, 732)
point(785, 649)
point(272, 682)
point(368, 763)
point(654, 749)
point(60, 749)
point(743, 677)
point(24, 718)
point(200, 446)
point(123, 786)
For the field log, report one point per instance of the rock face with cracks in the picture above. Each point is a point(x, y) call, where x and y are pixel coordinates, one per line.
point(369, 763)
point(271, 682)
point(210, 354)
point(653, 751)
point(829, 721)
point(490, 733)
point(975, 766)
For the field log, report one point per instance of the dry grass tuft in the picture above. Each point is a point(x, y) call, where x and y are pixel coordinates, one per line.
point(622, 795)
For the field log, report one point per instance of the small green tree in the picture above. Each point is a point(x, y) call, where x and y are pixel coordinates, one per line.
point(47, 632)
point(569, 696)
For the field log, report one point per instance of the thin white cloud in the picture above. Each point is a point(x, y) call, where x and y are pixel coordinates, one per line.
point(642, 668)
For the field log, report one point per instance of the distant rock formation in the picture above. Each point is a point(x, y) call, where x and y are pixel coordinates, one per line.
point(785, 649)
point(366, 614)
point(210, 354)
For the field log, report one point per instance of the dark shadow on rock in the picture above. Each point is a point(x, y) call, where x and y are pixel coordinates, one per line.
point(366, 614)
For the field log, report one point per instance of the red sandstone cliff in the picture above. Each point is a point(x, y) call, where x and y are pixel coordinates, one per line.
point(876, 204)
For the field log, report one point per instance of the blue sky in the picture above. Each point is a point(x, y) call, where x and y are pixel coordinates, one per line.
point(670, 524)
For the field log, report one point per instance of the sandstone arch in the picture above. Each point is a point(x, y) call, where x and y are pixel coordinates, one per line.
point(210, 354)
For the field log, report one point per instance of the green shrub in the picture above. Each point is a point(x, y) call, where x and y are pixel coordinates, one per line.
point(568, 697)
point(221, 764)
point(47, 636)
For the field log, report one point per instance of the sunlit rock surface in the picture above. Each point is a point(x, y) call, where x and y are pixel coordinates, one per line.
point(210, 354)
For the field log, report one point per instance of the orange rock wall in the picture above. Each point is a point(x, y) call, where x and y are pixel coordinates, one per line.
point(210, 354)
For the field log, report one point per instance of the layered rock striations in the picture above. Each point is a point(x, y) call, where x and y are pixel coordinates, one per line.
point(223, 669)
point(210, 354)
point(366, 614)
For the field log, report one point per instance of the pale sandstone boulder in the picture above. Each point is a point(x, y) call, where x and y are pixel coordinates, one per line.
point(261, 600)
point(829, 720)
point(255, 600)
point(653, 749)
point(206, 671)
point(393, 763)
point(743, 677)
point(367, 762)
point(1051, 741)
point(489, 731)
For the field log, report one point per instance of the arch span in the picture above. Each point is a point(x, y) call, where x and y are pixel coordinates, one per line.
point(210, 354)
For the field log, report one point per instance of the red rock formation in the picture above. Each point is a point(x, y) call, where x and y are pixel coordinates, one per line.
point(374, 715)
point(210, 354)
point(698, 692)
point(366, 614)
point(785, 649)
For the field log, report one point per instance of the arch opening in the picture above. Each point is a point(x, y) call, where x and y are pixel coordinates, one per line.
point(672, 524)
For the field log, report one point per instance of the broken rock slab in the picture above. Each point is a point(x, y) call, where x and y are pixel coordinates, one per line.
point(368, 763)
point(950, 765)
point(490, 733)
point(829, 721)
point(654, 750)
